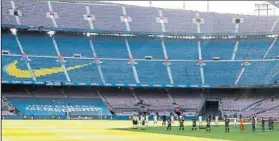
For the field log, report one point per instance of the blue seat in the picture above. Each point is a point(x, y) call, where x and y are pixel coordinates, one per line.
point(217, 48)
point(117, 72)
point(259, 73)
point(12, 67)
point(185, 73)
point(182, 49)
point(37, 44)
point(110, 47)
point(47, 69)
point(152, 72)
point(274, 51)
point(86, 72)
point(221, 73)
point(9, 43)
point(252, 48)
point(70, 44)
point(143, 46)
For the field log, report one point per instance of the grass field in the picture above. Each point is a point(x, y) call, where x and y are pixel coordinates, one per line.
point(217, 133)
point(101, 130)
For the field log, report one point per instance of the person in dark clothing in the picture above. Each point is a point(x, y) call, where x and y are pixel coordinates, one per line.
point(227, 125)
point(263, 124)
point(253, 124)
point(270, 124)
point(143, 122)
point(181, 122)
point(208, 127)
point(194, 124)
point(135, 122)
point(164, 117)
point(169, 124)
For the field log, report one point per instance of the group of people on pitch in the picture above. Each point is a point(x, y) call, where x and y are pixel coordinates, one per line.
point(142, 120)
point(253, 119)
point(254, 122)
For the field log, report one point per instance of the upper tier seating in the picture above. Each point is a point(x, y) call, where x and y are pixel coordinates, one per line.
point(107, 17)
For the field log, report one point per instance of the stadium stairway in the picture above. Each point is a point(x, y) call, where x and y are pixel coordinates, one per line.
point(201, 106)
point(170, 97)
point(265, 110)
point(257, 103)
point(220, 109)
point(135, 95)
point(105, 101)
point(5, 103)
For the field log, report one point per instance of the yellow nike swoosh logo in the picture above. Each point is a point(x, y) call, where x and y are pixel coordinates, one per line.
point(13, 70)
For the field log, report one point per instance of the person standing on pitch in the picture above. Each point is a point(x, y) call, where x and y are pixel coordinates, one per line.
point(216, 120)
point(263, 124)
point(208, 127)
point(169, 124)
point(200, 120)
point(140, 119)
point(155, 118)
point(146, 119)
point(227, 125)
point(253, 124)
point(235, 122)
point(143, 120)
point(164, 117)
point(256, 121)
point(194, 124)
point(271, 124)
point(242, 124)
point(172, 118)
point(134, 121)
point(181, 122)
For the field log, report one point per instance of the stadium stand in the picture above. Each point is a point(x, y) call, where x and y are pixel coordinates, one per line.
point(101, 44)
point(156, 99)
point(42, 100)
point(122, 100)
point(114, 58)
point(105, 14)
point(47, 106)
point(6, 107)
point(189, 100)
point(246, 102)
point(261, 102)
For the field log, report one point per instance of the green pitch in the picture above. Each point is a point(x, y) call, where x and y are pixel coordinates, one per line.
point(218, 133)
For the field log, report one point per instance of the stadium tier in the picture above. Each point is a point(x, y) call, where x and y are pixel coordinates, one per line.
point(138, 60)
point(87, 101)
point(139, 19)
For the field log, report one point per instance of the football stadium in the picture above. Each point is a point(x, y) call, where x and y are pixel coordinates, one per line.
point(104, 71)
